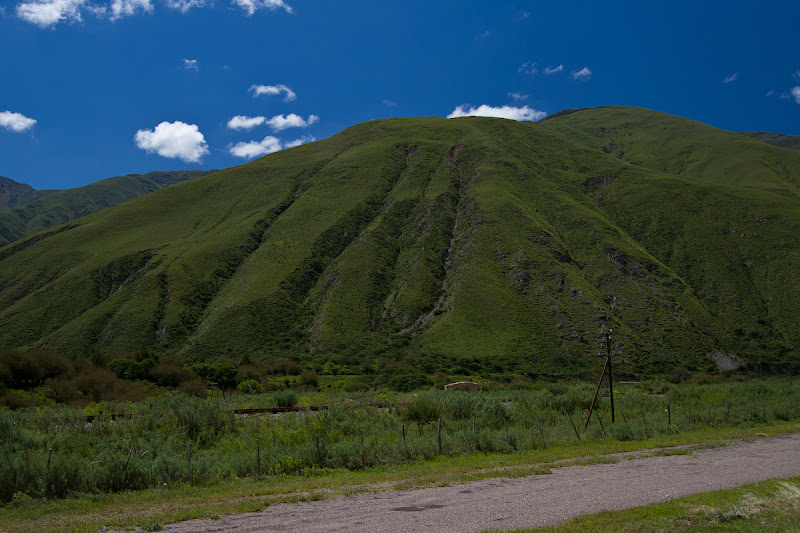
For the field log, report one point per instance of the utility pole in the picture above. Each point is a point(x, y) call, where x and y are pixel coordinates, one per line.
point(605, 340)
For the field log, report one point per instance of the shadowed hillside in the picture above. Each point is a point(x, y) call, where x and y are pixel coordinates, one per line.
point(34, 211)
point(13, 194)
point(778, 139)
point(467, 242)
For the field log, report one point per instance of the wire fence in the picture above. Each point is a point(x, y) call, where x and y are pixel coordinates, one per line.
point(189, 440)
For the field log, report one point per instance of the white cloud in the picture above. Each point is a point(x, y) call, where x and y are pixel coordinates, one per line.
point(190, 64)
point(280, 122)
point(174, 139)
point(518, 97)
point(46, 13)
point(582, 74)
point(514, 113)
point(553, 70)
point(15, 121)
point(124, 8)
point(268, 145)
point(251, 6)
point(298, 142)
point(732, 78)
point(528, 68)
point(796, 74)
point(796, 94)
point(241, 122)
point(253, 149)
point(270, 90)
point(185, 5)
point(389, 103)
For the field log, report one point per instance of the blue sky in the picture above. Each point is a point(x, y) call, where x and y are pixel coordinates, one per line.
point(98, 88)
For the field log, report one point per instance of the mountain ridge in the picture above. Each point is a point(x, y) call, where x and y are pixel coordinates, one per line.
point(36, 211)
point(443, 243)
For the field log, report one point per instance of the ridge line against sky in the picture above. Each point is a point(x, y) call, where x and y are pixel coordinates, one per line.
point(111, 87)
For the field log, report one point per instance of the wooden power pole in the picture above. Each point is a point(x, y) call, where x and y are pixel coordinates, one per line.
point(605, 339)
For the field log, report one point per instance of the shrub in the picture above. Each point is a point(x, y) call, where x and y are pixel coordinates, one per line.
point(250, 386)
point(421, 410)
point(309, 378)
point(285, 398)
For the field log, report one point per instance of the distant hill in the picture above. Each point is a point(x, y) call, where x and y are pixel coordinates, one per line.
point(777, 139)
point(32, 211)
point(13, 194)
point(469, 245)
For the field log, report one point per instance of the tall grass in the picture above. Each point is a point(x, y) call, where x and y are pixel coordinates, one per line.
point(55, 452)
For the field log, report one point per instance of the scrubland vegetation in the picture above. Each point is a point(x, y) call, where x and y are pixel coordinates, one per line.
point(174, 437)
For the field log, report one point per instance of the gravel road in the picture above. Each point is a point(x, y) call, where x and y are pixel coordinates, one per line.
point(529, 501)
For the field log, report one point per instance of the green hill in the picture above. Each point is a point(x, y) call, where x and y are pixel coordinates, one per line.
point(13, 194)
point(470, 244)
point(34, 211)
point(778, 139)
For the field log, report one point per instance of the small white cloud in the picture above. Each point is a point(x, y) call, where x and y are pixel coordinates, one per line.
point(251, 6)
point(268, 145)
point(298, 142)
point(280, 122)
point(46, 13)
point(241, 122)
point(553, 70)
point(525, 14)
point(190, 64)
point(732, 78)
point(796, 74)
point(249, 150)
point(518, 97)
point(514, 113)
point(126, 8)
point(185, 5)
point(483, 35)
point(528, 68)
point(796, 94)
point(582, 74)
point(174, 139)
point(389, 103)
point(16, 122)
point(270, 90)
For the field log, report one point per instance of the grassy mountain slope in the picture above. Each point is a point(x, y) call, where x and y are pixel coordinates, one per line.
point(447, 243)
point(13, 194)
point(39, 210)
point(777, 139)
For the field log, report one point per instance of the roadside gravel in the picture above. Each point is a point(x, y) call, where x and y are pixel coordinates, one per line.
point(531, 501)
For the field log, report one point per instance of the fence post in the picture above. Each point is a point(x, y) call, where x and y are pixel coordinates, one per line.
point(573, 427)
point(644, 420)
point(623, 418)
point(473, 426)
point(404, 433)
point(540, 428)
point(669, 415)
point(601, 422)
point(439, 436)
point(362, 436)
